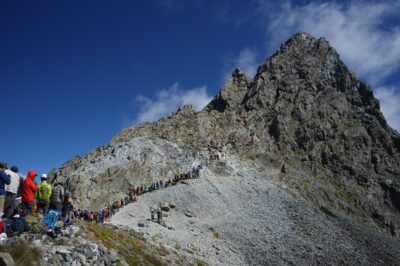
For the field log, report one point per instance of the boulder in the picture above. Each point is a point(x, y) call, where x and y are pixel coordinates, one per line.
point(6, 259)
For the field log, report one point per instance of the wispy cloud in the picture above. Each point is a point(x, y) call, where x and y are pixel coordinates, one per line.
point(358, 30)
point(390, 99)
point(246, 60)
point(166, 100)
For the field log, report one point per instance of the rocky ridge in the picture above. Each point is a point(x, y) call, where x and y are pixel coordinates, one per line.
point(304, 109)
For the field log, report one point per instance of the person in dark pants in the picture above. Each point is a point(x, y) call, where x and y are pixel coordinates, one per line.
point(159, 215)
point(44, 191)
point(11, 191)
point(57, 197)
point(5, 179)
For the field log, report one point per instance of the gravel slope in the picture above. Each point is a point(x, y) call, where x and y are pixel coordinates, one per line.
point(244, 218)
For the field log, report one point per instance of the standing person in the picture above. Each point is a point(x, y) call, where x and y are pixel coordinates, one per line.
point(21, 185)
point(11, 191)
point(43, 195)
point(5, 179)
point(159, 215)
point(57, 197)
point(67, 204)
point(28, 192)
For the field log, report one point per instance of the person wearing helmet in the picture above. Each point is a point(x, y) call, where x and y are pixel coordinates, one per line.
point(43, 195)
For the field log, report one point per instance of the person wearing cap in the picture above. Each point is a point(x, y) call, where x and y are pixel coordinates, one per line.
point(5, 179)
point(11, 191)
point(28, 192)
point(43, 195)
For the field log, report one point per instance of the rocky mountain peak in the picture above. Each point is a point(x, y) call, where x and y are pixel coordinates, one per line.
point(304, 109)
point(302, 42)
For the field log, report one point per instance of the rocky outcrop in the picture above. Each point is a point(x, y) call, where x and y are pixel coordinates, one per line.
point(304, 109)
point(232, 94)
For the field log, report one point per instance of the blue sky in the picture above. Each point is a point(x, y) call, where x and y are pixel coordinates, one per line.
point(74, 73)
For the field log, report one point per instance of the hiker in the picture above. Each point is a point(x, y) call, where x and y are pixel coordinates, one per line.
point(5, 179)
point(117, 204)
point(152, 213)
point(21, 185)
point(96, 217)
point(11, 191)
point(67, 204)
point(28, 192)
point(198, 171)
point(57, 197)
point(126, 199)
point(43, 195)
point(159, 215)
point(100, 216)
point(132, 196)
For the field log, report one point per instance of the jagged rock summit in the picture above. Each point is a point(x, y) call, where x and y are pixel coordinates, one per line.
point(304, 109)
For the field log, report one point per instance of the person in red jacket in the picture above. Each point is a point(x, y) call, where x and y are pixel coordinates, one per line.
point(28, 192)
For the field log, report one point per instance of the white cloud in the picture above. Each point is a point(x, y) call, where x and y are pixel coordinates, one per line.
point(245, 60)
point(167, 100)
point(390, 105)
point(358, 30)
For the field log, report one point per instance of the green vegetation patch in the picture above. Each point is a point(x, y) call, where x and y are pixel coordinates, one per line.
point(23, 253)
point(214, 232)
point(200, 262)
point(131, 247)
point(327, 211)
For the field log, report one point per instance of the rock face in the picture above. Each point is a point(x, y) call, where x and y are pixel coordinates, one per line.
point(304, 109)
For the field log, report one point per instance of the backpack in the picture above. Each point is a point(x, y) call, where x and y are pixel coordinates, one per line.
point(19, 225)
point(43, 192)
point(51, 219)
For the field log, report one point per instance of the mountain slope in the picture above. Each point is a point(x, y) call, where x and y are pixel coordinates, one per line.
point(242, 217)
point(304, 109)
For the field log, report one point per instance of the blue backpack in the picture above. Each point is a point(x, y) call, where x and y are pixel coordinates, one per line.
point(51, 219)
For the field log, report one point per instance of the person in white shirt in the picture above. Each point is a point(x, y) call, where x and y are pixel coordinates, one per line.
point(11, 191)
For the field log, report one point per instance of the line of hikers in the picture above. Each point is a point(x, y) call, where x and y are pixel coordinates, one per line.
point(21, 197)
point(109, 210)
point(138, 190)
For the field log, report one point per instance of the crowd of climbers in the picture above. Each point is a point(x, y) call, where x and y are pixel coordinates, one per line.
point(20, 197)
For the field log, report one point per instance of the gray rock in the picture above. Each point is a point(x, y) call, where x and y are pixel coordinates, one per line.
point(165, 208)
point(188, 213)
point(6, 259)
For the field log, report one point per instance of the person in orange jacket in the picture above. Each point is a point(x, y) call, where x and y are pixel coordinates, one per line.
point(28, 192)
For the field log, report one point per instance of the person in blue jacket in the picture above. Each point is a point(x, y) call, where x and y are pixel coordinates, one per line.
point(4, 180)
